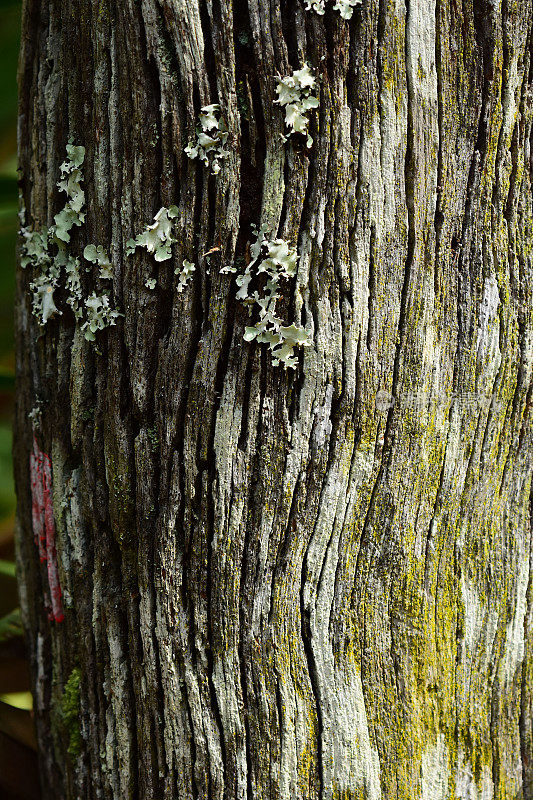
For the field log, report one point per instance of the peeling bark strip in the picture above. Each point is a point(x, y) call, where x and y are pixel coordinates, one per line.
point(312, 584)
point(43, 524)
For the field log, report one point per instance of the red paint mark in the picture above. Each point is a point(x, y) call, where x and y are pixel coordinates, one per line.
point(37, 500)
point(44, 529)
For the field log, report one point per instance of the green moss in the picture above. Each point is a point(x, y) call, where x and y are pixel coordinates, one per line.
point(70, 709)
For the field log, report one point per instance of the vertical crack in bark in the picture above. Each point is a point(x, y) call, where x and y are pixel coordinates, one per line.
point(371, 285)
point(409, 177)
point(246, 698)
point(525, 731)
point(439, 214)
point(305, 617)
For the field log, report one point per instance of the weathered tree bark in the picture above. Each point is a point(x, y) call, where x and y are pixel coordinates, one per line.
point(310, 583)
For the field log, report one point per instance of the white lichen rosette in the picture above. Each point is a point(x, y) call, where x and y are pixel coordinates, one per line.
point(97, 255)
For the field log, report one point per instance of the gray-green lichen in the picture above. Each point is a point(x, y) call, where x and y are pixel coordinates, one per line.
point(277, 260)
point(99, 315)
point(99, 256)
point(295, 95)
point(71, 177)
point(184, 275)
point(211, 138)
point(46, 251)
point(156, 238)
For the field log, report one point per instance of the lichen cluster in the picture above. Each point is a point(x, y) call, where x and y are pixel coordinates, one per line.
point(46, 251)
point(275, 259)
point(99, 315)
point(70, 183)
point(97, 255)
point(156, 238)
point(184, 274)
point(345, 7)
point(295, 95)
point(211, 138)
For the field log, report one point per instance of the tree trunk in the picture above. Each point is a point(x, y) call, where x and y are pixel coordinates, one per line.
point(245, 581)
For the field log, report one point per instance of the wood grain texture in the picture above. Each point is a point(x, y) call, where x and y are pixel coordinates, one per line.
point(311, 584)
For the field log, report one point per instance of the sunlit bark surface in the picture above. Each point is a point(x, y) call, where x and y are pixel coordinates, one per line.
point(307, 584)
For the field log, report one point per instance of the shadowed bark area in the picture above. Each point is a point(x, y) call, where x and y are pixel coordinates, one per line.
point(305, 584)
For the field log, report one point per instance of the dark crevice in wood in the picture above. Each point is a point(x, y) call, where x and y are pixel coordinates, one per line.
point(210, 59)
point(410, 188)
point(313, 678)
point(371, 285)
point(524, 724)
point(494, 719)
point(439, 213)
point(305, 612)
point(290, 32)
point(504, 83)
point(243, 652)
point(243, 443)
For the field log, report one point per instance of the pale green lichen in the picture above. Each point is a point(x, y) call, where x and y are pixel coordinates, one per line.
point(99, 315)
point(345, 7)
point(46, 251)
point(43, 288)
point(73, 285)
point(34, 248)
point(35, 251)
point(211, 138)
point(184, 274)
point(277, 260)
point(97, 255)
point(156, 238)
point(295, 95)
point(70, 183)
point(150, 283)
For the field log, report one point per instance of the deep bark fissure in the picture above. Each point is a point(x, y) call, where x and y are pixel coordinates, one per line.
point(311, 663)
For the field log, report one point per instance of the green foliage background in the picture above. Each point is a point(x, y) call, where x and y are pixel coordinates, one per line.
point(18, 757)
point(9, 45)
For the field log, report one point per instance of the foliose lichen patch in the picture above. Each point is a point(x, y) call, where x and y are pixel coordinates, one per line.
point(275, 259)
point(295, 95)
point(156, 238)
point(46, 251)
point(211, 138)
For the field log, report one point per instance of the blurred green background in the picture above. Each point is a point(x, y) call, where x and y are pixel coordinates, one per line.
point(9, 45)
point(18, 760)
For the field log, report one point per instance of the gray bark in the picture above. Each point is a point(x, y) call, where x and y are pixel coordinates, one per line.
point(285, 584)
